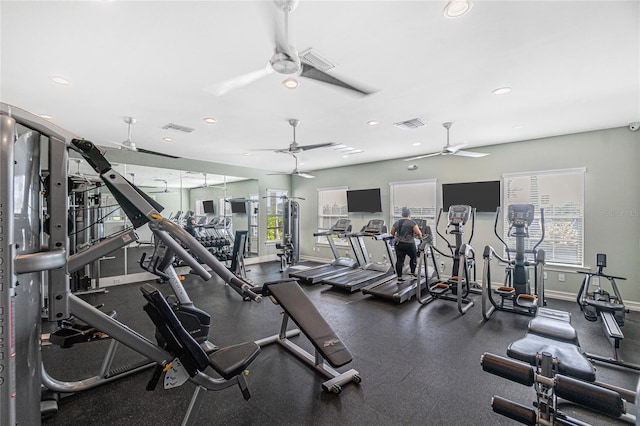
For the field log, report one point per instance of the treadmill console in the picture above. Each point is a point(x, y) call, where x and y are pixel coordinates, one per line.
point(520, 215)
point(459, 214)
point(341, 226)
point(374, 227)
point(422, 226)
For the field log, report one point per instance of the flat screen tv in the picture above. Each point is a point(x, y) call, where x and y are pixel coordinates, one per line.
point(208, 207)
point(238, 206)
point(484, 196)
point(364, 201)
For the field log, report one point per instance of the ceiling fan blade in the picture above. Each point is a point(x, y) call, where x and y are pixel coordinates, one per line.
point(470, 154)
point(315, 74)
point(315, 146)
point(220, 89)
point(304, 175)
point(422, 156)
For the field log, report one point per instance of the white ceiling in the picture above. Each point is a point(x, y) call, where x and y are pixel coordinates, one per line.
point(573, 66)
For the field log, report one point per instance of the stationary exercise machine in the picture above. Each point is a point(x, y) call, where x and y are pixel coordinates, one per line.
point(515, 294)
point(23, 260)
point(458, 286)
point(368, 272)
point(338, 265)
point(550, 359)
point(402, 291)
point(290, 247)
point(606, 305)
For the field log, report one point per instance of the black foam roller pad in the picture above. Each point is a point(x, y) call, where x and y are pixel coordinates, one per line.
point(591, 396)
point(514, 411)
point(507, 368)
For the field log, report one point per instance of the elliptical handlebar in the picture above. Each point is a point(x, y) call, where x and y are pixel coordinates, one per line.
point(535, 247)
point(473, 224)
point(495, 230)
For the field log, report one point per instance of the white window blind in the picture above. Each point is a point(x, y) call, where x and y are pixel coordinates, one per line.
point(561, 194)
point(419, 196)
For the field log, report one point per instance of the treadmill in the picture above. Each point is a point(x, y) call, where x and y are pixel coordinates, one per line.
point(401, 291)
point(369, 272)
point(339, 264)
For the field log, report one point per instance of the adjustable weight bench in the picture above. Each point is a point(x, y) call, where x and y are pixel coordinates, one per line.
point(554, 363)
point(328, 346)
point(191, 362)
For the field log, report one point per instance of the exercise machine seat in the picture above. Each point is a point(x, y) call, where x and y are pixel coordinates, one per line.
point(228, 362)
point(304, 314)
point(571, 361)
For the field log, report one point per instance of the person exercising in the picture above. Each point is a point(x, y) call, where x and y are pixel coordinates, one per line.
point(190, 227)
point(403, 231)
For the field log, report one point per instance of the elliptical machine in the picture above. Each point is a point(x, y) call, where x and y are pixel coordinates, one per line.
point(457, 287)
point(515, 293)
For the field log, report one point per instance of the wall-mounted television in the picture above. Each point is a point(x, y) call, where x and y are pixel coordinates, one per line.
point(484, 196)
point(208, 207)
point(364, 201)
point(238, 206)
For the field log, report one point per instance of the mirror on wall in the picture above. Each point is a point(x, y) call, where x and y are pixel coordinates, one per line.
point(209, 195)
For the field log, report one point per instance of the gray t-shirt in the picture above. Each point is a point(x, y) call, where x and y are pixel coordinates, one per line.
point(404, 230)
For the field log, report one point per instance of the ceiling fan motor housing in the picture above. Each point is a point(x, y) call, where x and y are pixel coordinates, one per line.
point(284, 63)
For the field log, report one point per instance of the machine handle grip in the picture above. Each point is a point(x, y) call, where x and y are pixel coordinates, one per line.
point(514, 411)
point(594, 397)
point(507, 368)
point(244, 289)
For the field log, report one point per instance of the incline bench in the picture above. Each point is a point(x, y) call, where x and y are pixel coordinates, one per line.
point(191, 360)
point(554, 363)
point(328, 346)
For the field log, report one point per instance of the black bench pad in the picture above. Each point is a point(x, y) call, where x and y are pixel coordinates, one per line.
point(297, 305)
point(554, 329)
point(232, 360)
point(571, 361)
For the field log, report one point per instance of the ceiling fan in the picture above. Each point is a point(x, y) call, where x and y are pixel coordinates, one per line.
point(450, 149)
point(128, 144)
point(294, 147)
point(296, 172)
point(287, 61)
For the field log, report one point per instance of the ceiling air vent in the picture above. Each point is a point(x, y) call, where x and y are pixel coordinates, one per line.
point(178, 127)
point(312, 58)
point(414, 123)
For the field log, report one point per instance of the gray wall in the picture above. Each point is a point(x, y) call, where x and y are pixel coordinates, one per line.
point(612, 198)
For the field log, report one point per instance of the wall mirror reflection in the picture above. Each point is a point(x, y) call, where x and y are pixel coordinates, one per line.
point(222, 205)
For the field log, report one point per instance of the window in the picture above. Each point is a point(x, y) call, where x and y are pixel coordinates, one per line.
point(332, 205)
point(419, 196)
point(561, 194)
point(275, 212)
point(224, 208)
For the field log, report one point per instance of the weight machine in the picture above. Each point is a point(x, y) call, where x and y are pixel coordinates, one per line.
point(515, 294)
point(608, 306)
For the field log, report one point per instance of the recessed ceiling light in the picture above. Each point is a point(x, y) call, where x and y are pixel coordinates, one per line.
point(291, 83)
point(501, 90)
point(518, 126)
point(373, 122)
point(247, 154)
point(210, 120)
point(345, 156)
point(457, 8)
point(302, 164)
point(416, 144)
point(46, 116)
point(167, 139)
point(59, 80)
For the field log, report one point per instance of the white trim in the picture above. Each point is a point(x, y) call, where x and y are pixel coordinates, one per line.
point(405, 182)
point(333, 188)
point(547, 172)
